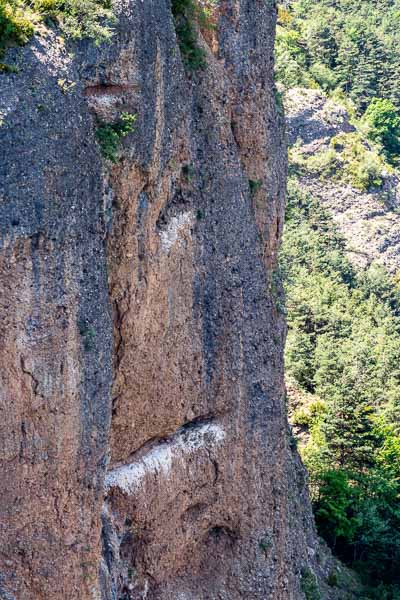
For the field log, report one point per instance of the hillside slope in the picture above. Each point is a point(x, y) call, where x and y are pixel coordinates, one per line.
point(331, 160)
point(340, 266)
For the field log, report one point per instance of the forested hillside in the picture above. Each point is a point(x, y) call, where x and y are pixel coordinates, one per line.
point(343, 351)
point(353, 45)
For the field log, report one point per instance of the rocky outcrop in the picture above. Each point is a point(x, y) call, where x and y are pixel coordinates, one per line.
point(368, 219)
point(145, 447)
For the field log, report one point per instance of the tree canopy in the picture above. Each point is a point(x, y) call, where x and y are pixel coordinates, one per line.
point(344, 352)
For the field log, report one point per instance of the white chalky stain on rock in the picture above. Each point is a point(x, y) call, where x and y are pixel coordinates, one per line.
point(175, 227)
point(103, 101)
point(159, 460)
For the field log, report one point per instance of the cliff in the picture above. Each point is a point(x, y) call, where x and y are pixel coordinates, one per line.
point(145, 446)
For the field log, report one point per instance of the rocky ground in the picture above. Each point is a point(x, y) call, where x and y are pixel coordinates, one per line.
point(370, 221)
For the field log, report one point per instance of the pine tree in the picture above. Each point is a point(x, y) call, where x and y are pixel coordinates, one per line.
point(349, 433)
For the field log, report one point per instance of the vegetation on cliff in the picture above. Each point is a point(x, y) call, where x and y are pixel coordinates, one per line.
point(188, 15)
point(185, 13)
point(78, 19)
point(110, 135)
point(19, 19)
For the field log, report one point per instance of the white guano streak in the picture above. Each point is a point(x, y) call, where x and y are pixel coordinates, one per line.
point(159, 460)
point(175, 228)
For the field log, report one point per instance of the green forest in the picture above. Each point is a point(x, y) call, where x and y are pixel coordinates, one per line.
point(348, 48)
point(343, 352)
point(343, 349)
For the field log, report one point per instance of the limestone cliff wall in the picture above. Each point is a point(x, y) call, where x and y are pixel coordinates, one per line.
point(145, 451)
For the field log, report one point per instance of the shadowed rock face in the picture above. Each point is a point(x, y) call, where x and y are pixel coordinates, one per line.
point(145, 449)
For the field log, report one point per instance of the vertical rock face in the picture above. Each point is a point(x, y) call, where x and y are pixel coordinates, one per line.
point(55, 334)
point(193, 490)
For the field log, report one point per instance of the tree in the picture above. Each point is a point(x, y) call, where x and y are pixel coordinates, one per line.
point(383, 122)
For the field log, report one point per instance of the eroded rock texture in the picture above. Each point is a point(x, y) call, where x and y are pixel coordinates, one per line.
point(194, 491)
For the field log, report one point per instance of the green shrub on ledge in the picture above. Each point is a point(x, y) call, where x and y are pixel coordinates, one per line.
point(16, 26)
point(185, 13)
point(80, 19)
point(309, 585)
point(110, 135)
